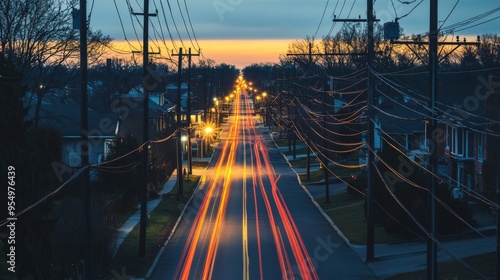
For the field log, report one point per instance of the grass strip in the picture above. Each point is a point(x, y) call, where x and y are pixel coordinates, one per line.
point(348, 214)
point(162, 219)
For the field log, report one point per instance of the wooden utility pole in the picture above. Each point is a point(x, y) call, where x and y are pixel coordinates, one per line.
point(326, 171)
point(370, 225)
point(310, 54)
point(84, 148)
point(190, 153)
point(370, 221)
point(433, 69)
point(433, 156)
point(145, 132)
point(180, 182)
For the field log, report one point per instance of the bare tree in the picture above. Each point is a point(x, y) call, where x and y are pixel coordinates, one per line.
point(37, 35)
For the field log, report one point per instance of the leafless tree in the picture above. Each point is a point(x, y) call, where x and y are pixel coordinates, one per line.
point(38, 38)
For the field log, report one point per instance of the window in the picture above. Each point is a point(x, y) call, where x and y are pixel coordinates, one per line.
point(460, 142)
point(448, 138)
point(454, 140)
point(459, 151)
point(480, 142)
point(469, 145)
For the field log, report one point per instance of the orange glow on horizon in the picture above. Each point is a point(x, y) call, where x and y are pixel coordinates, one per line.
point(239, 53)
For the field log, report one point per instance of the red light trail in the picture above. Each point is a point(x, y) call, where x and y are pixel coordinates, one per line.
point(199, 254)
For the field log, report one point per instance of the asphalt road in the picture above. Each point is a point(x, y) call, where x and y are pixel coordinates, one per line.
point(250, 219)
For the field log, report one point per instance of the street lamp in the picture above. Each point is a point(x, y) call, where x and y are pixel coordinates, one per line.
point(183, 140)
point(208, 130)
point(216, 110)
point(264, 95)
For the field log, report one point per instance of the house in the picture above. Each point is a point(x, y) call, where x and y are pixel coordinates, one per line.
point(404, 124)
point(464, 123)
point(65, 117)
point(130, 108)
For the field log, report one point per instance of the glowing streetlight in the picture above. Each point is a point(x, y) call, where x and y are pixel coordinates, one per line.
point(208, 130)
point(183, 140)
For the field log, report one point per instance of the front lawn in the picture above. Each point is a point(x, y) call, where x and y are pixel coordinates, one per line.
point(348, 214)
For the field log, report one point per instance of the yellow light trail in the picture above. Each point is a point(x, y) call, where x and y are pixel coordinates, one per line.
point(214, 240)
point(244, 224)
point(284, 231)
point(186, 260)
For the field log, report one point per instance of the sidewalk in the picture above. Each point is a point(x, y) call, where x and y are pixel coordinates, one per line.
point(135, 218)
point(393, 259)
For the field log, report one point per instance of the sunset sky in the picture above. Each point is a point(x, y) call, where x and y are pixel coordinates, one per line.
point(241, 32)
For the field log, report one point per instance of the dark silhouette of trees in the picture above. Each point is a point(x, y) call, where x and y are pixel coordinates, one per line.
point(38, 39)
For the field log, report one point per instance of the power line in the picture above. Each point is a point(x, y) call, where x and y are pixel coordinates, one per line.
point(423, 229)
point(191, 24)
point(449, 14)
point(321, 20)
point(184, 21)
point(167, 26)
point(175, 24)
point(123, 28)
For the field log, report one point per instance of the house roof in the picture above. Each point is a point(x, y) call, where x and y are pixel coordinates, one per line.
point(461, 105)
point(457, 104)
point(399, 119)
point(66, 119)
point(134, 100)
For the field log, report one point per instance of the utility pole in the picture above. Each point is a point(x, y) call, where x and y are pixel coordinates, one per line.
point(145, 132)
point(309, 66)
point(325, 151)
point(180, 183)
point(190, 154)
point(432, 159)
point(188, 119)
point(308, 155)
point(84, 148)
point(370, 224)
point(205, 95)
point(310, 55)
point(433, 69)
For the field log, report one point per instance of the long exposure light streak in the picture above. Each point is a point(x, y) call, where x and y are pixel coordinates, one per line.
point(244, 224)
point(200, 252)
